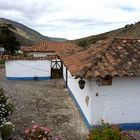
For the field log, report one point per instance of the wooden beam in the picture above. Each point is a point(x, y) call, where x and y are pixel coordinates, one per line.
point(66, 77)
point(51, 69)
point(61, 69)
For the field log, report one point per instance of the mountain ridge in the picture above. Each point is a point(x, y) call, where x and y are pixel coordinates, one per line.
point(128, 31)
point(26, 35)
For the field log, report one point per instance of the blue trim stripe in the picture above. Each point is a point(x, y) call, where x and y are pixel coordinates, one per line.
point(28, 78)
point(79, 109)
point(129, 126)
point(125, 126)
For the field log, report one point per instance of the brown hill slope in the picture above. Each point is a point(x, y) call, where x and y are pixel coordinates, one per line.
point(26, 35)
point(129, 31)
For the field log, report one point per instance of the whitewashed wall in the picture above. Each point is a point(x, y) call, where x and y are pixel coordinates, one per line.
point(116, 104)
point(80, 95)
point(40, 54)
point(28, 69)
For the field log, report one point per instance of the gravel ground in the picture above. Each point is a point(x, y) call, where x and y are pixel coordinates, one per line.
point(45, 103)
point(135, 134)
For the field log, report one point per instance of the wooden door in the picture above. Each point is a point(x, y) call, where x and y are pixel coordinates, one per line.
point(56, 69)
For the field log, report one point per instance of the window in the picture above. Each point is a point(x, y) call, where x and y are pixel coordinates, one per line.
point(106, 81)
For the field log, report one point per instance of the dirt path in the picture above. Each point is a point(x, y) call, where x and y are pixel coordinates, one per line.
point(44, 103)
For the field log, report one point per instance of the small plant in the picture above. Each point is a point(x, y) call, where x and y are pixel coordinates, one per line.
point(37, 133)
point(108, 132)
point(7, 130)
point(2, 64)
point(5, 107)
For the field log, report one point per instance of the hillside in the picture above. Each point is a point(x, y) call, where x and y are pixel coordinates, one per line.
point(26, 35)
point(130, 31)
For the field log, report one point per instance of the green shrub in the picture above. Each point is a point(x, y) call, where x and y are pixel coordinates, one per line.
point(6, 128)
point(6, 131)
point(5, 107)
point(108, 132)
point(2, 64)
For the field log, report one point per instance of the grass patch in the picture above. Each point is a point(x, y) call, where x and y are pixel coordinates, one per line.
point(2, 64)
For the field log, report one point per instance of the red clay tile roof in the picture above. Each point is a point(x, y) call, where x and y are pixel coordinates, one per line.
point(50, 46)
point(114, 57)
point(8, 57)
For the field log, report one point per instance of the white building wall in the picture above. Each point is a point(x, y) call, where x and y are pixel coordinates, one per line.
point(40, 54)
point(115, 104)
point(118, 103)
point(28, 69)
point(80, 95)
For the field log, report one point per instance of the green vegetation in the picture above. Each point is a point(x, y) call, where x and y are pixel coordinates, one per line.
point(6, 131)
point(2, 64)
point(129, 31)
point(108, 132)
point(7, 39)
point(6, 107)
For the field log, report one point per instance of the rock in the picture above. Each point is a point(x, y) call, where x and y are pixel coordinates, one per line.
point(17, 137)
point(33, 121)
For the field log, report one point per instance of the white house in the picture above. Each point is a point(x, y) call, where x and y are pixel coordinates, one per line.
point(42, 63)
point(104, 81)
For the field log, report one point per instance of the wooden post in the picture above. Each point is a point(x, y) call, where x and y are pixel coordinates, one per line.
point(66, 77)
point(61, 69)
point(51, 69)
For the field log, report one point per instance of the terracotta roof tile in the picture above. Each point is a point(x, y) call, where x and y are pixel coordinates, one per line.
point(50, 46)
point(115, 57)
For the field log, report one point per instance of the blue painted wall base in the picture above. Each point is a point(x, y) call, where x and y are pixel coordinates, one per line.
point(125, 126)
point(129, 126)
point(28, 78)
point(79, 109)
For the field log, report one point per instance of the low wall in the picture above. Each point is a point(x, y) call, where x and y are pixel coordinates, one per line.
point(28, 69)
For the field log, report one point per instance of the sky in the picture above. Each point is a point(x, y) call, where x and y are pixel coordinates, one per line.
point(71, 19)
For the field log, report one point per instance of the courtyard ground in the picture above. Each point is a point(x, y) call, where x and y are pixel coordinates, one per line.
point(45, 103)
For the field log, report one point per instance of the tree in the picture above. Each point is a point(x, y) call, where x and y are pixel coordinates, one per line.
point(7, 39)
